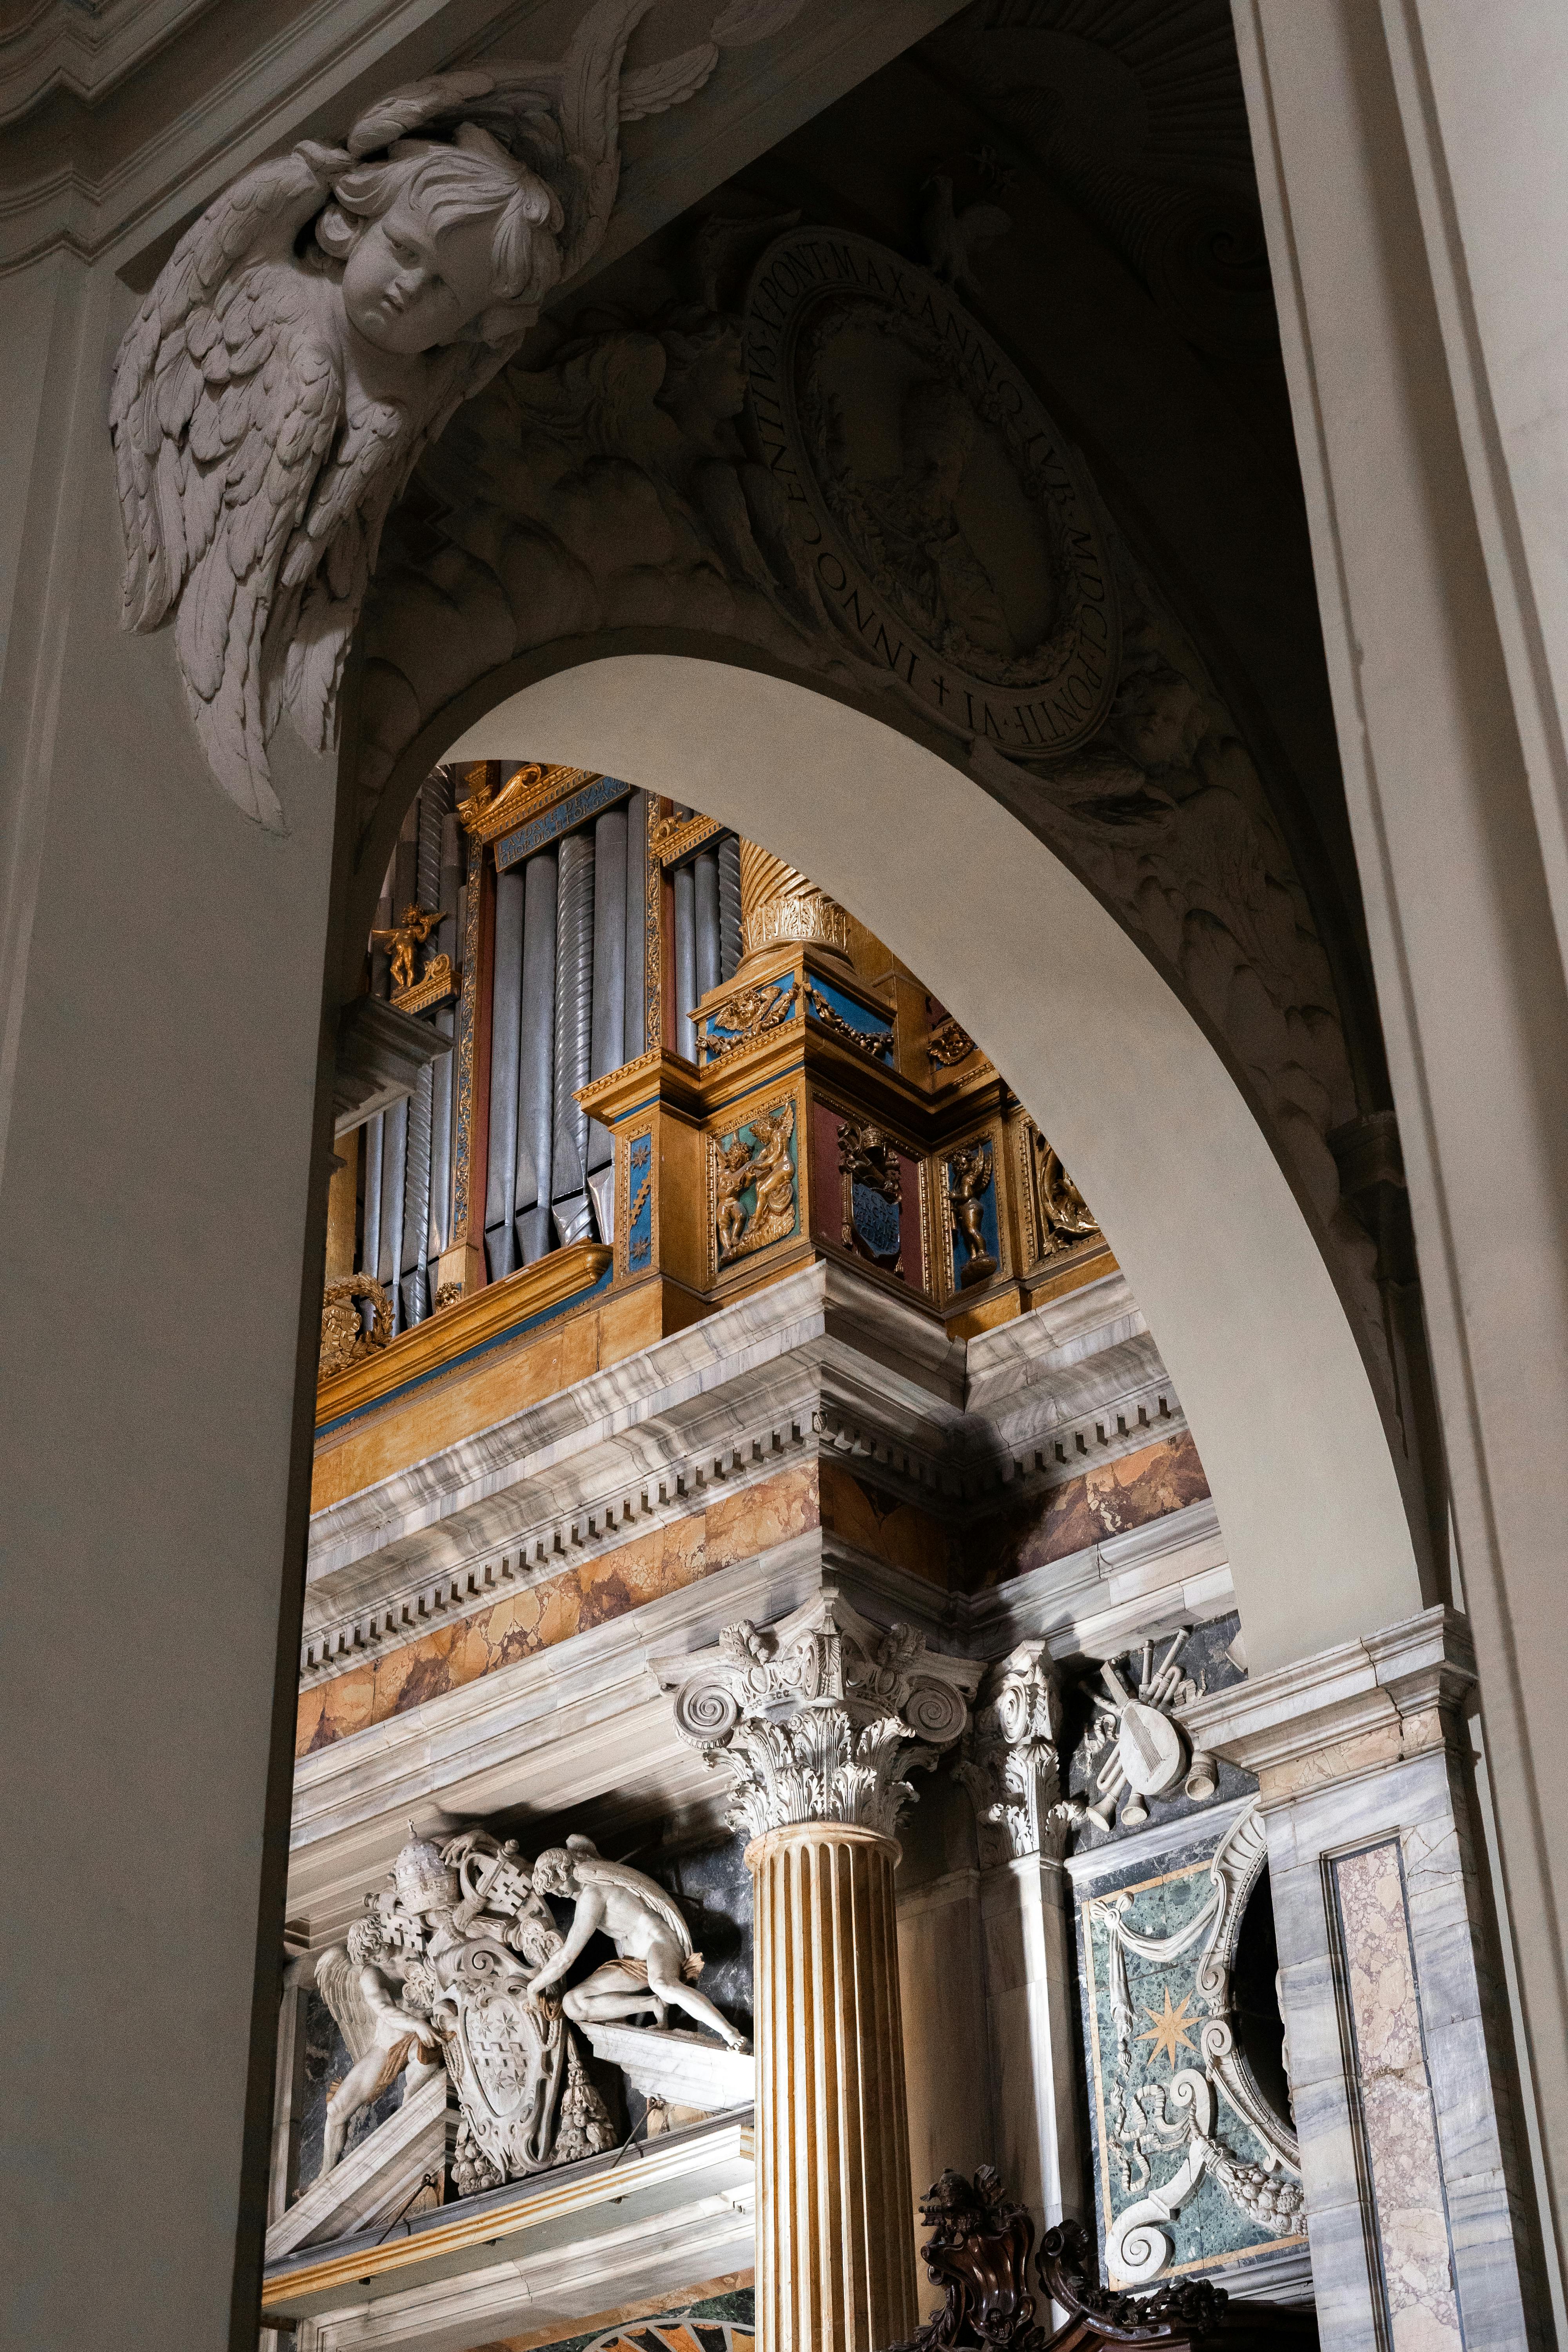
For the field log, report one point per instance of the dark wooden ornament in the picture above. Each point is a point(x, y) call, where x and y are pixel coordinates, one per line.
point(978, 2252)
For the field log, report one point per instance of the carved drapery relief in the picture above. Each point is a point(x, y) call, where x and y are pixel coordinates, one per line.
point(319, 324)
point(1011, 1764)
point(822, 1717)
point(675, 468)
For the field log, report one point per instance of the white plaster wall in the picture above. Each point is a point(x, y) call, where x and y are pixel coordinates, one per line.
point(164, 985)
point(1411, 166)
point(1116, 1071)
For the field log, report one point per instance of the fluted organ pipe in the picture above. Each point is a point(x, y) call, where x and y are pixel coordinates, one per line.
point(573, 1023)
point(728, 854)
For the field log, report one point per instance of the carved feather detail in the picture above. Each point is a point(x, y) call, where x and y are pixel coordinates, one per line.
point(337, 1981)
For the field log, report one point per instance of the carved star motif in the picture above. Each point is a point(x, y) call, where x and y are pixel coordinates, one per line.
point(1168, 2027)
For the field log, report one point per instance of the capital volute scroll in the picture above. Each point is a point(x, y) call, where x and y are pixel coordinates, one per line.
point(821, 1717)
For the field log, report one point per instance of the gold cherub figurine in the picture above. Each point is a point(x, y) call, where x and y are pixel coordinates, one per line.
point(400, 942)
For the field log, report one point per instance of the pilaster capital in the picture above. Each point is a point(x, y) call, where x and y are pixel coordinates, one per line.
point(1011, 1764)
point(821, 1716)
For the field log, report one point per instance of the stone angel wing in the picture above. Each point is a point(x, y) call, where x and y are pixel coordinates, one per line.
point(227, 397)
point(337, 1981)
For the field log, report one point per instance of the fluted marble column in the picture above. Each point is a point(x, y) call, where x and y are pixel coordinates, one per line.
point(778, 904)
point(821, 1717)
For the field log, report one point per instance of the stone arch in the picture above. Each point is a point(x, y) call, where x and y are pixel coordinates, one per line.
point(1139, 1100)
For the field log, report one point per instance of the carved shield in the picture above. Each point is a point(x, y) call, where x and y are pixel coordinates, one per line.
point(877, 1220)
point(508, 2062)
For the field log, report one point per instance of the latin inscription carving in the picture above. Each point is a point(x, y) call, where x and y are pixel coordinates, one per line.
point(944, 521)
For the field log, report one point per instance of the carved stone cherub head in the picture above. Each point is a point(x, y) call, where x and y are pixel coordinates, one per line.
point(440, 239)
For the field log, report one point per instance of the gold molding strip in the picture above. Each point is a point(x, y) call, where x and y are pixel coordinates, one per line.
point(438, 984)
point(534, 789)
point(671, 841)
point(549, 1281)
point(530, 2208)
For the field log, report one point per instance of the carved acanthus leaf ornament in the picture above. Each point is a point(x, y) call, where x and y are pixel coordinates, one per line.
point(822, 1717)
point(1011, 1765)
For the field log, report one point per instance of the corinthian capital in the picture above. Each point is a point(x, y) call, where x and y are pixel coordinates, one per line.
point(822, 1716)
point(1011, 1765)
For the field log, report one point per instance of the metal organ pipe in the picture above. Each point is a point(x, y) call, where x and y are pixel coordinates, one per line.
point(633, 1033)
point(536, 1058)
point(705, 897)
point(685, 961)
point(414, 1287)
point(569, 1002)
point(438, 1234)
point(728, 854)
point(609, 996)
point(506, 1007)
point(573, 1023)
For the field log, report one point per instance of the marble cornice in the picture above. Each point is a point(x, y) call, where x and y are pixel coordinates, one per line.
point(680, 1391)
point(1358, 1707)
point(85, 49)
point(571, 2206)
point(584, 1729)
point(119, 124)
point(819, 1364)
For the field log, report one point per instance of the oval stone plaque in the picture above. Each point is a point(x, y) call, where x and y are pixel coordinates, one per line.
point(950, 530)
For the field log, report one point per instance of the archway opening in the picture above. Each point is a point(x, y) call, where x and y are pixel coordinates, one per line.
point(1132, 1094)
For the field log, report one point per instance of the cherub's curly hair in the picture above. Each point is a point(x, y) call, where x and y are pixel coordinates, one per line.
point(469, 177)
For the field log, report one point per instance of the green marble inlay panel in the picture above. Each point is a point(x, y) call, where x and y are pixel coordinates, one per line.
point(1141, 2066)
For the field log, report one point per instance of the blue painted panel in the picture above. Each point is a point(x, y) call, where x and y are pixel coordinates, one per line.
point(602, 793)
point(639, 1199)
point(858, 1015)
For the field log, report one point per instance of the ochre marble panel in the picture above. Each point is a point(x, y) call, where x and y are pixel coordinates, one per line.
point(505, 1380)
point(734, 1526)
point(1108, 1500)
point(1394, 2097)
point(888, 1529)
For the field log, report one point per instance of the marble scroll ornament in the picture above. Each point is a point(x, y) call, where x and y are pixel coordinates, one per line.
point(318, 327)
